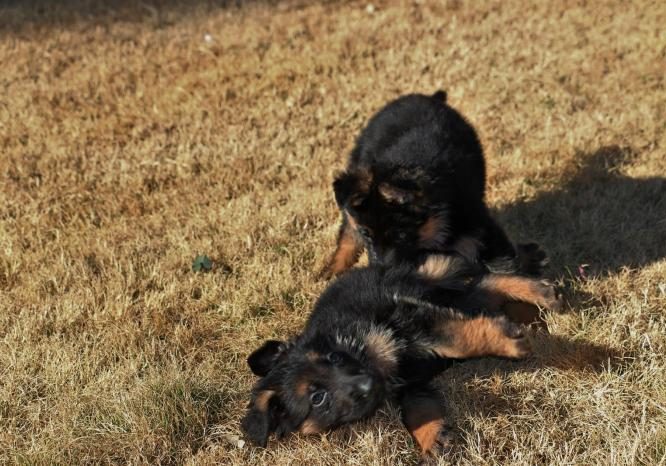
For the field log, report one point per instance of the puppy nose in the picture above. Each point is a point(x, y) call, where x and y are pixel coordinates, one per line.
point(364, 385)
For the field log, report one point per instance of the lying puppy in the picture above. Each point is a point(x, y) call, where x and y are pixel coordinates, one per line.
point(414, 185)
point(381, 333)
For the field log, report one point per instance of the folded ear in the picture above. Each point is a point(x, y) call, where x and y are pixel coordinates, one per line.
point(262, 417)
point(262, 360)
point(439, 96)
point(343, 187)
point(351, 187)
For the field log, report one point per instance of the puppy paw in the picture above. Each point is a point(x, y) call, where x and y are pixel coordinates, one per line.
point(515, 345)
point(520, 348)
point(551, 298)
point(531, 259)
point(441, 447)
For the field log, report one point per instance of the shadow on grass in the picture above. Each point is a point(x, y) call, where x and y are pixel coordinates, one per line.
point(556, 352)
point(489, 400)
point(23, 16)
point(597, 217)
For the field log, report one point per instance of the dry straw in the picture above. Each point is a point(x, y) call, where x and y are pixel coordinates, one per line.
point(135, 138)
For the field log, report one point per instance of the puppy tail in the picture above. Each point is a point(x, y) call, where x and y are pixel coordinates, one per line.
point(440, 96)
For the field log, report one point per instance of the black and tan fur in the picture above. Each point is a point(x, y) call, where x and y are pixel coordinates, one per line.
point(381, 333)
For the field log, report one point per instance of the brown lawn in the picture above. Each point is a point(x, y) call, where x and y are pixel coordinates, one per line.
point(129, 144)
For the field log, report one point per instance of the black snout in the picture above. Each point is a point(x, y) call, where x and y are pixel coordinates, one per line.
point(362, 385)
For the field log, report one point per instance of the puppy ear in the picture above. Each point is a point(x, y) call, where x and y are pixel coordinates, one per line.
point(262, 417)
point(262, 360)
point(351, 187)
point(439, 96)
point(343, 187)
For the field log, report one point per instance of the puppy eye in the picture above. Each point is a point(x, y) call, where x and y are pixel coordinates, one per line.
point(334, 358)
point(318, 398)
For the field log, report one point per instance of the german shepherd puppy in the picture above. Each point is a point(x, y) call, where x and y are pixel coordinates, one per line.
point(381, 333)
point(414, 186)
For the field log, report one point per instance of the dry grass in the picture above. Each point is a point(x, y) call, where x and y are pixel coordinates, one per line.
point(130, 145)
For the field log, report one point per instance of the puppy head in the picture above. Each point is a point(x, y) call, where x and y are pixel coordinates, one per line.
point(311, 387)
point(391, 210)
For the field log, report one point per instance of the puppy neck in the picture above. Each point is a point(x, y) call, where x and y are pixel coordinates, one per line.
point(383, 348)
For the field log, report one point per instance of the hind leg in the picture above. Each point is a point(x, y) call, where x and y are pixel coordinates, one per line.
point(499, 289)
point(348, 250)
point(463, 338)
point(519, 298)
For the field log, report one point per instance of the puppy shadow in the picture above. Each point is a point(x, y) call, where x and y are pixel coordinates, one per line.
point(24, 16)
point(558, 352)
point(598, 221)
point(478, 389)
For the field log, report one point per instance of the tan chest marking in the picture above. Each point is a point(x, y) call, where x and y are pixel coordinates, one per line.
point(437, 266)
point(348, 250)
point(426, 435)
point(382, 349)
point(502, 288)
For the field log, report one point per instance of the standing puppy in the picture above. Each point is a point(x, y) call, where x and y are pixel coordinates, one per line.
point(414, 186)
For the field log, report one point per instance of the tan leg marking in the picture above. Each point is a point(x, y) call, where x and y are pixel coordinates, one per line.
point(347, 251)
point(503, 288)
point(424, 418)
point(426, 435)
point(480, 336)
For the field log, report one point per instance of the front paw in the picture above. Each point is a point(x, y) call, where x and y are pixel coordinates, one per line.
point(515, 345)
point(551, 298)
point(440, 447)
